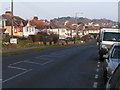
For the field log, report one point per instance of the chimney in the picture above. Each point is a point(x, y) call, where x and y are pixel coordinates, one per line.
point(35, 18)
point(8, 13)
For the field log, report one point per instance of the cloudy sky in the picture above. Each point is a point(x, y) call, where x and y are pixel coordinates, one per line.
point(61, 8)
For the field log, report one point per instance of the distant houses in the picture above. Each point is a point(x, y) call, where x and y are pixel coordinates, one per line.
point(25, 28)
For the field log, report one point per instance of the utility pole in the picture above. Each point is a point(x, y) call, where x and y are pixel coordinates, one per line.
point(58, 30)
point(12, 19)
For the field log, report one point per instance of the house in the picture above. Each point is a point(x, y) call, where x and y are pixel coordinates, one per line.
point(59, 29)
point(29, 29)
point(93, 29)
point(3, 30)
point(40, 24)
point(32, 27)
point(17, 24)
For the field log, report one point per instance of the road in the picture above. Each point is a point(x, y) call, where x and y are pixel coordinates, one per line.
point(71, 67)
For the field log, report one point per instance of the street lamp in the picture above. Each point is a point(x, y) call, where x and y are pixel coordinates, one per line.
point(76, 21)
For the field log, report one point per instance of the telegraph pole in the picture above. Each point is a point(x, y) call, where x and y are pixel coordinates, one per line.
point(12, 19)
point(58, 30)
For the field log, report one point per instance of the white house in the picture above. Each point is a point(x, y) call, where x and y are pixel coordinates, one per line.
point(3, 29)
point(29, 29)
point(62, 32)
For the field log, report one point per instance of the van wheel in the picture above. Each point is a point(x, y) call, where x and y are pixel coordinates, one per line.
point(101, 58)
point(105, 76)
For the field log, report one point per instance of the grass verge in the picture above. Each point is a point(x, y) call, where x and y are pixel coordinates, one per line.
point(45, 48)
point(13, 53)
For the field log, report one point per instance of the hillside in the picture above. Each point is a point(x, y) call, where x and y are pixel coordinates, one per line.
point(81, 20)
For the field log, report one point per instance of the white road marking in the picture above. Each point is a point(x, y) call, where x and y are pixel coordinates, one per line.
point(43, 57)
point(96, 76)
point(38, 57)
point(16, 62)
point(97, 70)
point(98, 66)
point(95, 84)
point(98, 62)
point(16, 75)
point(57, 55)
point(16, 68)
point(47, 56)
point(31, 62)
point(47, 62)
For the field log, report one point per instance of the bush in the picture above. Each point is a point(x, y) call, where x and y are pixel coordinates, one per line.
point(24, 43)
point(6, 39)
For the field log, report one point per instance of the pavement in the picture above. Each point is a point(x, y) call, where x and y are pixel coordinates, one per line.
point(10, 50)
point(70, 67)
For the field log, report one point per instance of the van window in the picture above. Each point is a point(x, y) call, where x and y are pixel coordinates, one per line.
point(111, 36)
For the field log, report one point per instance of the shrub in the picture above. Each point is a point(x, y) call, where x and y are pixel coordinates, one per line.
point(24, 43)
point(6, 39)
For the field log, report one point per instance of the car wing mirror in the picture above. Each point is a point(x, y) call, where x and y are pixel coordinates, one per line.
point(105, 56)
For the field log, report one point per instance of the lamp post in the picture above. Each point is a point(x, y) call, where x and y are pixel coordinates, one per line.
point(76, 21)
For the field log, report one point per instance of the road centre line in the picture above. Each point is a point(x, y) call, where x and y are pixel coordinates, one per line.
point(16, 68)
point(98, 66)
point(16, 75)
point(97, 70)
point(95, 84)
point(98, 62)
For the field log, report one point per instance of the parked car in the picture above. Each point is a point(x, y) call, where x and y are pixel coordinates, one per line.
point(112, 59)
point(114, 80)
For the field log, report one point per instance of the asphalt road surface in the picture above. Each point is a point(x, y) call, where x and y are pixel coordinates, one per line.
point(71, 67)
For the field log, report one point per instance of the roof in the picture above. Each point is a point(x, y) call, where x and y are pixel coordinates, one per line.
point(55, 25)
point(16, 20)
point(40, 24)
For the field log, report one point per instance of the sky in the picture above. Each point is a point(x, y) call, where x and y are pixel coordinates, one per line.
point(61, 8)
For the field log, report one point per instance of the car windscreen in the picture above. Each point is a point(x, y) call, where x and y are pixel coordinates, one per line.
point(116, 53)
point(111, 36)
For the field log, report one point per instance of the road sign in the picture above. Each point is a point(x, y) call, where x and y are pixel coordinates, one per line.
point(13, 40)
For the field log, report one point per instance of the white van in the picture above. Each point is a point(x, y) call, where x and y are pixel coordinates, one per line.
point(107, 38)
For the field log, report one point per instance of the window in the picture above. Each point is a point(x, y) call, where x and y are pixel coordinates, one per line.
point(110, 36)
point(21, 29)
point(15, 30)
point(116, 53)
point(63, 30)
point(27, 29)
